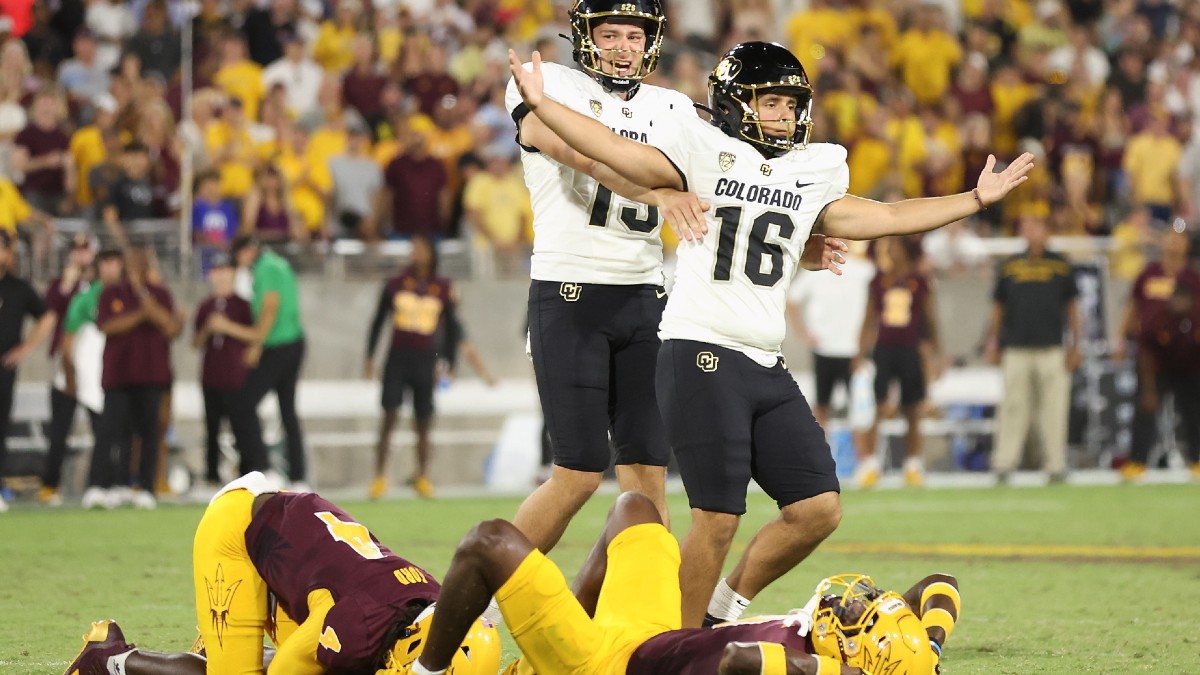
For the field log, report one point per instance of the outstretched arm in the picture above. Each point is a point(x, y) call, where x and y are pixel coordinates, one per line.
point(856, 218)
point(640, 164)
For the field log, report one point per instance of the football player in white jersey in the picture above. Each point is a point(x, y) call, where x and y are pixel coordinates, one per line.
point(731, 409)
point(597, 295)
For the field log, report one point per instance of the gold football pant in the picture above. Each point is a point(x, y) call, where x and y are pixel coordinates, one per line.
point(232, 611)
point(639, 599)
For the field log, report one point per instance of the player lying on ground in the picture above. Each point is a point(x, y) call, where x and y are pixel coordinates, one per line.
point(731, 409)
point(624, 615)
point(343, 602)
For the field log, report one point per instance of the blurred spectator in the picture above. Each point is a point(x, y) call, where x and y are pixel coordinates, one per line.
point(308, 183)
point(1035, 302)
point(105, 175)
point(497, 208)
point(203, 110)
point(333, 50)
point(431, 84)
point(267, 212)
point(926, 53)
point(138, 317)
point(42, 41)
point(1168, 363)
point(1081, 58)
point(357, 181)
point(156, 43)
point(17, 300)
point(158, 134)
point(268, 28)
point(1151, 161)
point(209, 26)
point(871, 157)
point(299, 75)
point(43, 155)
point(417, 303)
point(362, 87)
point(826, 313)
point(111, 22)
point(1132, 237)
point(77, 276)
point(87, 145)
point(83, 76)
point(14, 210)
point(220, 329)
point(132, 196)
point(275, 355)
point(971, 89)
point(239, 77)
point(214, 218)
point(1129, 78)
point(901, 314)
point(816, 31)
point(418, 188)
point(232, 149)
point(1009, 93)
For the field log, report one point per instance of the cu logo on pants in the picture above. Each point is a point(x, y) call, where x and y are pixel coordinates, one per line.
point(570, 291)
point(707, 361)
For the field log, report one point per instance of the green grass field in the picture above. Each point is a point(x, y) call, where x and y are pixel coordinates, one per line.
point(1120, 593)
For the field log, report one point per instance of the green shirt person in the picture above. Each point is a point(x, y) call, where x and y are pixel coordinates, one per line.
point(275, 355)
point(274, 276)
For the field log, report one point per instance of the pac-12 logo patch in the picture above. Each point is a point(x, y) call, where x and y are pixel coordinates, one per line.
point(726, 160)
point(707, 362)
point(569, 291)
point(597, 107)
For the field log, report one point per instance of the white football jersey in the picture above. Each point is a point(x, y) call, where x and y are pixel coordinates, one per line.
point(582, 232)
point(731, 288)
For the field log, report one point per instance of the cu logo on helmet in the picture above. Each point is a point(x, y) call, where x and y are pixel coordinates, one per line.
point(707, 362)
point(728, 69)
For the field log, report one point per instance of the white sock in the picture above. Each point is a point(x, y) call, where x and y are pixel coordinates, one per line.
point(725, 604)
point(914, 464)
point(116, 664)
point(492, 613)
point(418, 669)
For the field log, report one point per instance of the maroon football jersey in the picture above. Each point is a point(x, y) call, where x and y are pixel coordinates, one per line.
point(1153, 288)
point(697, 651)
point(417, 308)
point(901, 305)
point(302, 542)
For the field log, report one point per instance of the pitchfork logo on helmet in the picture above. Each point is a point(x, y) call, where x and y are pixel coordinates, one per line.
point(748, 71)
point(586, 15)
point(863, 626)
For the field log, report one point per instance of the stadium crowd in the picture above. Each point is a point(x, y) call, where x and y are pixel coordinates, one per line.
point(315, 120)
point(301, 109)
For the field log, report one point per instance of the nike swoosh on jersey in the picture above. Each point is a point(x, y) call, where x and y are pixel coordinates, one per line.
point(661, 294)
point(803, 185)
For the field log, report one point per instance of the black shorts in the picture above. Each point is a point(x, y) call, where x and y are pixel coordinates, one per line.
point(903, 364)
point(412, 370)
point(730, 419)
point(594, 348)
point(830, 370)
